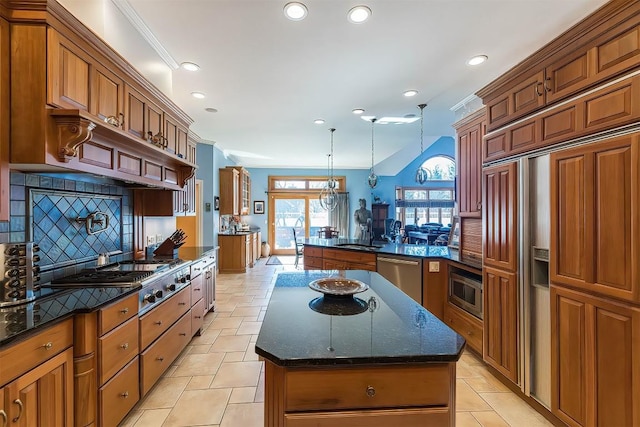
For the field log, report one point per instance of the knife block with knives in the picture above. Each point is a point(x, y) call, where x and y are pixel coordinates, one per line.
point(171, 244)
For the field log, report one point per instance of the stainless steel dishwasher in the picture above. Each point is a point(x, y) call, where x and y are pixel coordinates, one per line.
point(404, 272)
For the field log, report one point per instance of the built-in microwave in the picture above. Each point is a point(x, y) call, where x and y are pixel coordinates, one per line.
point(465, 291)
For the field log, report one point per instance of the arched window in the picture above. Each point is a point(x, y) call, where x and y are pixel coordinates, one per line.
point(440, 168)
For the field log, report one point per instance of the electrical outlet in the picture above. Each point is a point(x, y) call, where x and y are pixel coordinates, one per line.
point(158, 238)
point(434, 266)
point(151, 240)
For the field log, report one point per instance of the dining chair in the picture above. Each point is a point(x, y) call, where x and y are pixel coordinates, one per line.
point(299, 247)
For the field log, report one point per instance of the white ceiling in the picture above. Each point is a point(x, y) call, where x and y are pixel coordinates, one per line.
point(269, 77)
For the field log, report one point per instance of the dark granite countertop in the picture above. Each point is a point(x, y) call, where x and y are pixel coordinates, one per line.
point(398, 331)
point(419, 251)
point(19, 321)
point(192, 253)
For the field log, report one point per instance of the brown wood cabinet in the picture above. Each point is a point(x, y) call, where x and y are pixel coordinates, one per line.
point(594, 212)
point(470, 131)
point(312, 258)
point(594, 355)
point(342, 259)
point(601, 47)
point(470, 327)
point(229, 191)
point(355, 396)
point(500, 216)
point(379, 212)
point(5, 113)
point(500, 293)
point(236, 252)
point(36, 379)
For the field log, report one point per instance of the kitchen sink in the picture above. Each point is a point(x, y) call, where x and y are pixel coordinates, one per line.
point(359, 246)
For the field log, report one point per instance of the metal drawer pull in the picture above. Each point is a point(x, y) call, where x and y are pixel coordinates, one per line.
point(371, 391)
point(124, 395)
point(159, 322)
point(48, 345)
point(125, 346)
point(160, 358)
point(182, 303)
point(183, 334)
point(4, 418)
point(198, 317)
point(124, 310)
point(20, 407)
point(196, 289)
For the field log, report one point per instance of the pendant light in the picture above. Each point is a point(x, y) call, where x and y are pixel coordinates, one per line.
point(328, 196)
point(373, 178)
point(421, 174)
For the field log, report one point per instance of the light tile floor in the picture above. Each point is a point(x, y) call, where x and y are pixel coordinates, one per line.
point(219, 381)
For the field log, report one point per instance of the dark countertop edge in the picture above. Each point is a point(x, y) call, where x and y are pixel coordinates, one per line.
point(455, 258)
point(20, 336)
point(361, 361)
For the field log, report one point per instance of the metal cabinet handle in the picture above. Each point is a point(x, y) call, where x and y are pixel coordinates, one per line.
point(159, 322)
point(547, 86)
point(182, 303)
point(20, 408)
point(197, 317)
point(4, 418)
point(124, 310)
point(196, 289)
point(125, 346)
point(48, 345)
point(538, 88)
point(183, 334)
point(160, 359)
point(371, 391)
point(124, 395)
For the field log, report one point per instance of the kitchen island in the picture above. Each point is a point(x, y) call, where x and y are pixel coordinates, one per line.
point(376, 358)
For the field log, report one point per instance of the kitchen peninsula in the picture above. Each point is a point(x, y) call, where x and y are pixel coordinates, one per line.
point(392, 362)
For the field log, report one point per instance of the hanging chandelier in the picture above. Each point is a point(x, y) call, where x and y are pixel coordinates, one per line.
point(373, 178)
point(329, 196)
point(421, 174)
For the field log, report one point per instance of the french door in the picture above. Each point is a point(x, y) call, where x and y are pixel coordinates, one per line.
point(288, 211)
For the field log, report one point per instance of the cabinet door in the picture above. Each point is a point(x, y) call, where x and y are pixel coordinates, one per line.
point(229, 184)
point(4, 120)
point(470, 168)
point(594, 212)
point(500, 216)
point(44, 395)
point(107, 94)
point(183, 146)
point(594, 360)
point(134, 112)
point(500, 291)
point(171, 133)
point(525, 97)
point(154, 119)
point(68, 84)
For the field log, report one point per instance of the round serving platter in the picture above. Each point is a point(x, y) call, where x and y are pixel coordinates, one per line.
point(338, 286)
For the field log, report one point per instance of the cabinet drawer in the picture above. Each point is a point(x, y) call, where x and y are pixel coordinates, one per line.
point(117, 313)
point(197, 316)
point(25, 355)
point(157, 358)
point(197, 288)
point(154, 323)
point(119, 395)
point(466, 325)
point(312, 251)
point(379, 387)
point(350, 256)
point(434, 417)
point(116, 349)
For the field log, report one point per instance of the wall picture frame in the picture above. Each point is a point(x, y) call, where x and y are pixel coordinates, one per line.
point(258, 207)
point(454, 234)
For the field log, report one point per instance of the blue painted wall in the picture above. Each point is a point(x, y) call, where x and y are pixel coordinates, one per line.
point(210, 159)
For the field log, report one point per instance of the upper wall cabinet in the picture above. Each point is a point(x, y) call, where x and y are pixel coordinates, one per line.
point(81, 107)
point(470, 131)
point(4, 120)
point(229, 191)
point(603, 46)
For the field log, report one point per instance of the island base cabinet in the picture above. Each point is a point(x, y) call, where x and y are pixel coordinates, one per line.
point(119, 395)
point(408, 395)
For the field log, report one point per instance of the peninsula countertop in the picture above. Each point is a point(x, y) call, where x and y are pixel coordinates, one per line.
point(391, 329)
point(405, 249)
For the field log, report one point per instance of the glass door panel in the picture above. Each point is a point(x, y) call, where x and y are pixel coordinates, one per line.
point(289, 213)
point(318, 217)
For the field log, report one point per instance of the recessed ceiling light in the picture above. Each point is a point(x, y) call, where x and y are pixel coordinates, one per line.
point(190, 66)
point(198, 95)
point(477, 60)
point(409, 93)
point(357, 111)
point(318, 121)
point(359, 14)
point(295, 11)
point(210, 110)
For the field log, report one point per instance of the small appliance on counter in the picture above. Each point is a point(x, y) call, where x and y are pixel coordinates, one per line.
point(19, 272)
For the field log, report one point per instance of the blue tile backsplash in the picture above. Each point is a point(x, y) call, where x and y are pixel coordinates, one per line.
point(44, 209)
